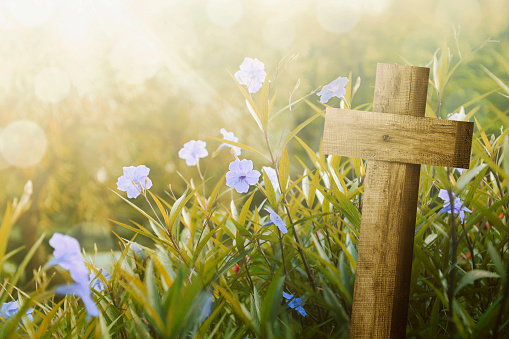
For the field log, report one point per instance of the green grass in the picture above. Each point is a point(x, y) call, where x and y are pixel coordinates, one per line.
point(208, 247)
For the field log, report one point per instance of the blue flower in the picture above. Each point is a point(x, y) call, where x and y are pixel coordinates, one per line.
point(271, 173)
point(334, 89)
point(80, 289)
point(252, 74)
point(458, 205)
point(96, 281)
point(242, 175)
point(458, 116)
point(134, 181)
point(10, 309)
point(67, 255)
point(230, 137)
point(136, 249)
point(294, 304)
point(206, 307)
point(276, 220)
point(193, 151)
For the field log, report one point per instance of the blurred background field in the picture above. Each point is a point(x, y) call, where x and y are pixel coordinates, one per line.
point(87, 87)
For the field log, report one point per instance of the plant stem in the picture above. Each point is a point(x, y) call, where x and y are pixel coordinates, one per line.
point(248, 275)
point(265, 257)
point(282, 250)
point(454, 241)
point(203, 182)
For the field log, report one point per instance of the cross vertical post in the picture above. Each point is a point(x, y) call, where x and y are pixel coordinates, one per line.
point(384, 260)
point(395, 138)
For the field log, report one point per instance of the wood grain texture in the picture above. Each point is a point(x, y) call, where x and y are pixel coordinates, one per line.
point(399, 138)
point(384, 261)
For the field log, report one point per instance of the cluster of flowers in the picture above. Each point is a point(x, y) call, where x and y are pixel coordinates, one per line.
point(67, 254)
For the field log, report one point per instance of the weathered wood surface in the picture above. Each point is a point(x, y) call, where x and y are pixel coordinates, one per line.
point(392, 137)
point(384, 260)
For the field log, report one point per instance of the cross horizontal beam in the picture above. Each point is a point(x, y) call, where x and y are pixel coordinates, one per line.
point(397, 138)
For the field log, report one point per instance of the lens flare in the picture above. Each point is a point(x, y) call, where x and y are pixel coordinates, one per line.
point(23, 143)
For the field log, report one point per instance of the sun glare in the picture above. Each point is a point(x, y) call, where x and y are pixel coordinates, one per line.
point(31, 12)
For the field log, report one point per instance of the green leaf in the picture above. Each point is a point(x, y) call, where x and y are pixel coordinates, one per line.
point(203, 242)
point(264, 103)
point(300, 127)
point(269, 191)
point(21, 268)
point(473, 275)
point(497, 261)
point(5, 230)
point(245, 210)
point(247, 148)
point(272, 301)
point(246, 95)
point(284, 170)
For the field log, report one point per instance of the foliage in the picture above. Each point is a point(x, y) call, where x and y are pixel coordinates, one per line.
point(214, 270)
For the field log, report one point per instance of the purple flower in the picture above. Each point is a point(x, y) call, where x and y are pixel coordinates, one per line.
point(82, 290)
point(334, 89)
point(251, 74)
point(271, 173)
point(458, 208)
point(193, 151)
point(10, 309)
point(458, 116)
point(230, 137)
point(96, 281)
point(134, 181)
point(242, 175)
point(276, 220)
point(136, 249)
point(294, 304)
point(67, 255)
point(206, 307)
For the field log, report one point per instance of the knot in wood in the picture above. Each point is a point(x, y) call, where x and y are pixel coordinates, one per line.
point(385, 138)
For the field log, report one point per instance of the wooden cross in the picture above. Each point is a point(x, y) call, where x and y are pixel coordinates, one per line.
point(396, 139)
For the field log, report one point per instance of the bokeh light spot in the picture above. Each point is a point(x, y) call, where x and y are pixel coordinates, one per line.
point(101, 175)
point(23, 143)
point(52, 85)
point(31, 12)
point(170, 167)
point(224, 13)
point(135, 59)
point(279, 33)
point(338, 16)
